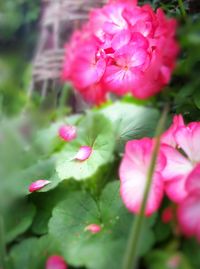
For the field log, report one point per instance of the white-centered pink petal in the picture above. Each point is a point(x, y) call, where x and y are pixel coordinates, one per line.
point(169, 136)
point(133, 177)
point(188, 140)
point(37, 185)
point(177, 165)
point(83, 153)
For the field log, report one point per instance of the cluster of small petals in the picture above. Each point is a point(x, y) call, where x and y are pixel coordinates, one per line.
point(122, 48)
point(83, 153)
point(56, 262)
point(93, 228)
point(133, 176)
point(67, 132)
point(38, 185)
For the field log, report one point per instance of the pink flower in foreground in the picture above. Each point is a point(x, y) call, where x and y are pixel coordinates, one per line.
point(37, 185)
point(123, 48)
point(189, 208)
point(93, 228)
point(182, 159)
point(133, 176)
point(56, 262)
point(67, 132)
point(83, 153)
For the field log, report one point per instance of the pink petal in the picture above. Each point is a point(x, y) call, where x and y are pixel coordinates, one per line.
point(121, 39)
point(133, 176)
point(56, 262)
point(83, 153)
point(93, 228)
point(37, 185)
point(95, 94)
point(176, 189)
point(177, 165)
point(118, 79)
point(193, 180)
point(188, 139)
point(169, 136)
point(67, 132)
point(189, 216)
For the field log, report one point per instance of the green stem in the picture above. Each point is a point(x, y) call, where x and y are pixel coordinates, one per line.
point(63, 98)
point(2, 245)
point(182, 9)
point(131, 256)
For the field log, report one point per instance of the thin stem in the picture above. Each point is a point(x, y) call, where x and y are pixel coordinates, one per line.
point(131, 256)
point(2, 244)
point(182, 9)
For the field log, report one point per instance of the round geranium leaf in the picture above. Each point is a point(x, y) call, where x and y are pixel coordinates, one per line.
point(80, 246)
point(96, 134)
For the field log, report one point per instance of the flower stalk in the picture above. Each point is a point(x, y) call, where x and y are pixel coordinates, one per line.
point(131, 256)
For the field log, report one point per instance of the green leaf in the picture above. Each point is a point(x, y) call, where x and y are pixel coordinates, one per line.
point(32, 253)
point(94, 251)
point(45, 202)
point(17, 219)
point(95, 131)
point(131, 121)
point(164, 259)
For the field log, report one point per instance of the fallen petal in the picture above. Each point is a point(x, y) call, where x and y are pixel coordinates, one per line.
point(37, 185)
point(83, 153)
point(93, 228)
point(67, 132)
point(56, 262)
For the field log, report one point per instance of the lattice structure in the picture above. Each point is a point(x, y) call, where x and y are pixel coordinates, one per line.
point(58, 20)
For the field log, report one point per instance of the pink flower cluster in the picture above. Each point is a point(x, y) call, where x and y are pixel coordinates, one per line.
point(177, 174)
point(123, 48)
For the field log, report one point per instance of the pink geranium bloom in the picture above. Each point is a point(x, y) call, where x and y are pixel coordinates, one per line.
point(56, 262)
point(38, 185)
point(67, 132)
point(182, 159)
point(133, 176)
point(123, 48)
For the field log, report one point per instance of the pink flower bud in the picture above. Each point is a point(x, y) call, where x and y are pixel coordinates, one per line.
point(93, 228)
point(67, 132)
point(167, 215)
point(56, 262)
point(83, 153)
point(37, 185)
